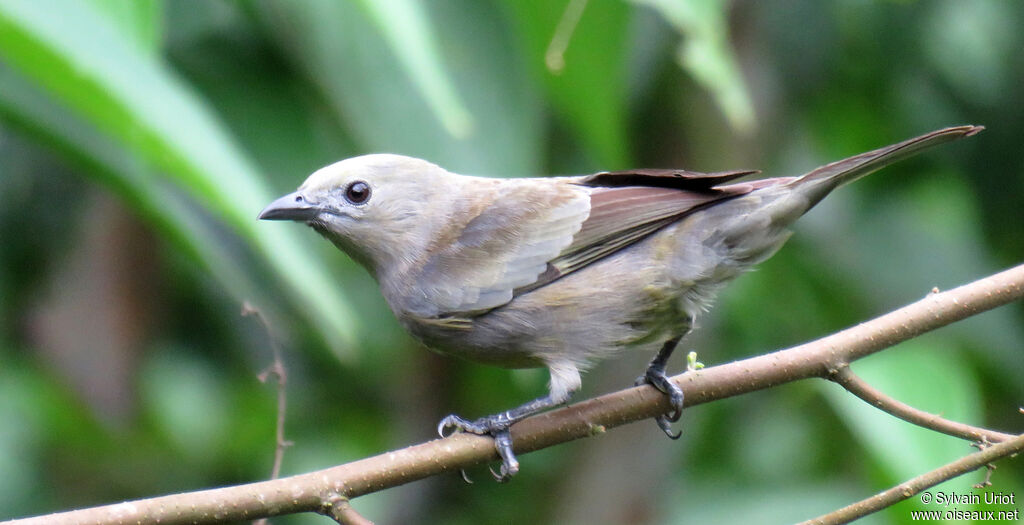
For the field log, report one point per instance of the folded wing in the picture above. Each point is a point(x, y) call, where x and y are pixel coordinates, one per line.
point(528, 236)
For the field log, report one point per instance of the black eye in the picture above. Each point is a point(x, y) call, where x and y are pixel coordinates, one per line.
point(357, 192)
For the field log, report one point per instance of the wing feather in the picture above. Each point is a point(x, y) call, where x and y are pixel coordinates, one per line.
point(663, 178)
point(513, 232)
point(530, 233)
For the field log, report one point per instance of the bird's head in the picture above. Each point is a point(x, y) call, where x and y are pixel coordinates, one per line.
point(375, 207)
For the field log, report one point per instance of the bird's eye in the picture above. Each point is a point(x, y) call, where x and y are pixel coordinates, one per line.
point(357, 192)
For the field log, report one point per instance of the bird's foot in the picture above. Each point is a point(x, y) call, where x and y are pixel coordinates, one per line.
point(496, 426)
point(656, 377)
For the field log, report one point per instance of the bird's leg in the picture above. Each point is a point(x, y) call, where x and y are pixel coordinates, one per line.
point(656, 377)
point(497, 426)
point(565, 379)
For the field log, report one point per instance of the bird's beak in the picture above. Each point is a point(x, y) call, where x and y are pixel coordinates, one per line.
point(291, 207)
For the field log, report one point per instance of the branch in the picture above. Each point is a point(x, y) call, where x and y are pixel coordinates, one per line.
point(341, 511)
point(858, 387)
point(278, 370)
point(911, 487)
point(315, 491)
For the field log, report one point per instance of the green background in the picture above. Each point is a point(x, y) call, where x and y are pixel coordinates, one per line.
point(139, 140)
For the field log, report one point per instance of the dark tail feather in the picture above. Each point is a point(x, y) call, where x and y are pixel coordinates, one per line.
point(820, 182)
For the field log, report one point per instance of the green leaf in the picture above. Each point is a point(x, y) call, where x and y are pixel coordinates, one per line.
point(22, 403)
point(970, 44)
point(589, 92)
point(25, 108)
point(83, 61)
point(138, 19)
point(189, 402)
point(706, 54)
point(362, 73)
point(713, 499)
point(404, 25)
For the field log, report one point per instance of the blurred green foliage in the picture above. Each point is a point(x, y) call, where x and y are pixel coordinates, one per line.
point(140, 139)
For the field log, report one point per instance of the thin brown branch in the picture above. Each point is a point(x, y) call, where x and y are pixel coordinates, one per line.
point(860, 388)
point(280, 443)
point(312, 491)
point(279, 372)
point(341, 511)
point(910, 488)
point(277, 369)
point(989, 468)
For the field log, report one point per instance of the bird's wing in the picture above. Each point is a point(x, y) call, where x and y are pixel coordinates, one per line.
point(511, 232)
point(527, 237)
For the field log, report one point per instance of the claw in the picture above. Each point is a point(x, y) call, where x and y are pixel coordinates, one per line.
point(456, 422)
point(449, 421)
point(509, 463)
point(665, 424)
point(658, 379)
point(495, 426)
point(480, 426)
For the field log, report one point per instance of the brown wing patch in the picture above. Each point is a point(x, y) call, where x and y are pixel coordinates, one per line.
point(614, 211)
point(621, 216)
point(663, 178)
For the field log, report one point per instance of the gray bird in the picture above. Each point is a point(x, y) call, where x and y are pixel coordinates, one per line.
point(559, 272)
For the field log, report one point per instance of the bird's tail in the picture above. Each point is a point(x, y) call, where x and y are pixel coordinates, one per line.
point(820, 182)
point(750, 228)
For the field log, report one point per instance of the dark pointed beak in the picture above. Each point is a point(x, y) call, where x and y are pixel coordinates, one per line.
point(291, 207)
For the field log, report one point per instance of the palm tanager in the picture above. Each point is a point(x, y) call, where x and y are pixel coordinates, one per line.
point(559, 272)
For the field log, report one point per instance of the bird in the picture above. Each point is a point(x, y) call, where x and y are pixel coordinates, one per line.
point(560, 272)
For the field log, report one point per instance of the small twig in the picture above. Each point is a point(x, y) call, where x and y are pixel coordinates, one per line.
point(989, 469)
point(987, 482)
point(554, 57)
point(278, 370)
point(913, 486)
point(845, 377)
point(340, 510)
